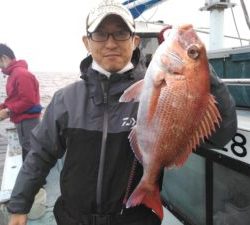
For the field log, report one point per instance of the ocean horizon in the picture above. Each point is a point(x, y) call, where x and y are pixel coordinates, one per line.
point(49, 83)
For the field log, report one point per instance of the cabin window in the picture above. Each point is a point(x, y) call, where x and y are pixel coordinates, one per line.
point(184, 189)
point(207, 192)
point(148, 45)
point(231, 197)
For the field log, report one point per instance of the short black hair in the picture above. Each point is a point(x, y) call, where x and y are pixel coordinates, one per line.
point(5, 50)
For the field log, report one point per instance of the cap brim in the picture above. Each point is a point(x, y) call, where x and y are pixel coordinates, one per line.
point(100, 18)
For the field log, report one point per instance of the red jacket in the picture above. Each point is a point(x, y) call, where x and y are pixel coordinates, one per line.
point(22, 90)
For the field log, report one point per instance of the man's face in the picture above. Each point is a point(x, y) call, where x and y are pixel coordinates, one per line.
point(2, 64)
point(112, 55)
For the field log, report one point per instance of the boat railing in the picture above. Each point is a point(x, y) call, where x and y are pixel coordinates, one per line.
point(237, 81)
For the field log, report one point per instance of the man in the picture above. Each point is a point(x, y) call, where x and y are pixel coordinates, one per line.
point(86, 123)
point(22, 104)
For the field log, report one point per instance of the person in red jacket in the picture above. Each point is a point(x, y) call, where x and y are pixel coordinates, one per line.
point(22, 104)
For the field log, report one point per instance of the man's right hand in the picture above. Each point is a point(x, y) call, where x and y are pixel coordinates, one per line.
point(18, 219)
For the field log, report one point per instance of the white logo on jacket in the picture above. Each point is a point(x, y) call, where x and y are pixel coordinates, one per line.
point(128, 122)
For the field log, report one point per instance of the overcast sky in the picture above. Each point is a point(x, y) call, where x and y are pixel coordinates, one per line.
point(48, 33)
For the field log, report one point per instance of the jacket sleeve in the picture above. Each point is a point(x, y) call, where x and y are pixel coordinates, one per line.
point(227, 109)
point(26, 93)
point(47, 145)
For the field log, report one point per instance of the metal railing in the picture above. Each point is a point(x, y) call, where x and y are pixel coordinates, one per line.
point(237, 81)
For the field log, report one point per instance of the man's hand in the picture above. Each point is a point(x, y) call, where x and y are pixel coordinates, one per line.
point(4, 113)
point(18, 219)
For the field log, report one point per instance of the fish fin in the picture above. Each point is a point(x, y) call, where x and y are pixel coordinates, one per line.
point(150, 199)
point(134, 144)
point(133, 92)
point(211, 118)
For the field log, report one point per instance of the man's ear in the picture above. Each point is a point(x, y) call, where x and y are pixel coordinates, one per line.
point(4, 57)
point(137, 41)
point(86, 42)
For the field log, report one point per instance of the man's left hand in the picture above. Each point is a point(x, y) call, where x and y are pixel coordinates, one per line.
point(4, 114)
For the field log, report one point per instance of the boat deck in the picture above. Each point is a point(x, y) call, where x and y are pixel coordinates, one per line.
point(6, 171)
point(53, 191)
point(3, 148)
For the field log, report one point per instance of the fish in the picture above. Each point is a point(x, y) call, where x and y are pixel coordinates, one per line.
point(176, 111)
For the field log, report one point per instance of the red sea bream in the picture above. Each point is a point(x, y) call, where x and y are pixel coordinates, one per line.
point(176, 110)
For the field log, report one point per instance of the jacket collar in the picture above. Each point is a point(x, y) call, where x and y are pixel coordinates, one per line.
point(117, 82)
point(13, 65)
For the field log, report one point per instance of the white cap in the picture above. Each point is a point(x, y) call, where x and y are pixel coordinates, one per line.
point(106, 8)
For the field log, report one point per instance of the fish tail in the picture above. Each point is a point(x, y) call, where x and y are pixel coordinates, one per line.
point(151, 199)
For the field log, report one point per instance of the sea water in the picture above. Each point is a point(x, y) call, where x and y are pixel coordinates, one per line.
point(49, 82)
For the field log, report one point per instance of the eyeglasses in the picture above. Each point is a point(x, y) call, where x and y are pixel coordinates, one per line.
point(100, 36)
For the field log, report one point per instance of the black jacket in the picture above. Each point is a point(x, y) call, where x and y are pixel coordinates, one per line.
point(73, 124)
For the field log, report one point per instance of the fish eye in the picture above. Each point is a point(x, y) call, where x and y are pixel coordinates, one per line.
point(193, 52)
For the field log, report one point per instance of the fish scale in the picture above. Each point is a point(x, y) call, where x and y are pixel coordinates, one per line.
point(176, 111)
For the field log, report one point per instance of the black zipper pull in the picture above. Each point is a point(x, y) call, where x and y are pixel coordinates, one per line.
point(105, 97)
point(105, 88)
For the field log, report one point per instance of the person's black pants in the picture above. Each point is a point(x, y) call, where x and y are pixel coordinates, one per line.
point(139, 215)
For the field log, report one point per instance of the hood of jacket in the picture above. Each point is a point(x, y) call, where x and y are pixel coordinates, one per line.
point(13, 65)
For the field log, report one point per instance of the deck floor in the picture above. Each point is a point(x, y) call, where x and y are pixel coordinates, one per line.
point(52, 189)
point(3, 149)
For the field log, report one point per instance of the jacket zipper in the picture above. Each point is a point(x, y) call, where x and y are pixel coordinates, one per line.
point(105, 88)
